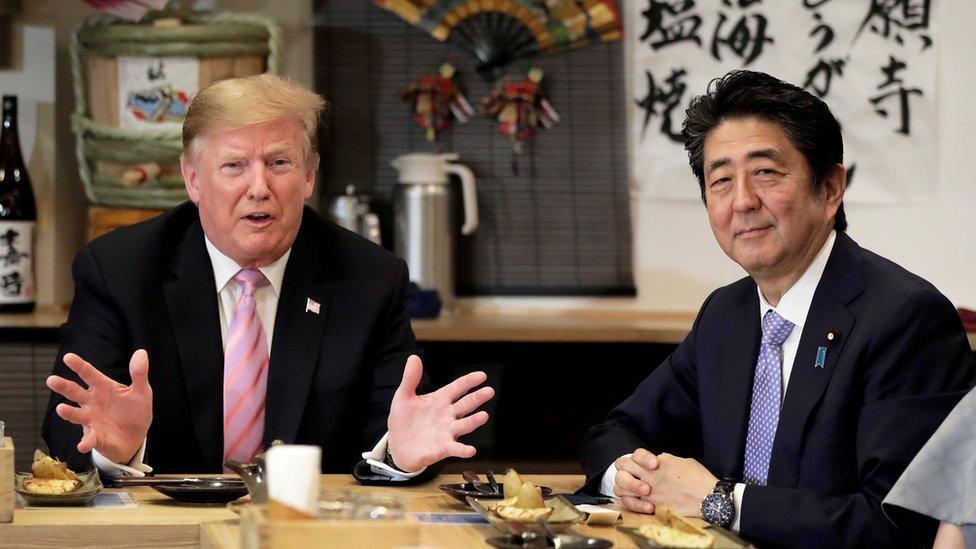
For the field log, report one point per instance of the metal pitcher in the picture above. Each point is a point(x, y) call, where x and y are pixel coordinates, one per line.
point(423, 210)
point(351, 210)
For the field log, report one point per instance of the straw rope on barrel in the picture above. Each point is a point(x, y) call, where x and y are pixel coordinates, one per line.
point(139, 167)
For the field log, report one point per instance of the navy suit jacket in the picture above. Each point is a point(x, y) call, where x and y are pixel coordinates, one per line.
point(846, 431)
point(331, 377)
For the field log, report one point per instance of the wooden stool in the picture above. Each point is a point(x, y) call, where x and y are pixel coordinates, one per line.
point(102, 220)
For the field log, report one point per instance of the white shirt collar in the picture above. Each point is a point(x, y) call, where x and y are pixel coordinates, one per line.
point(224, 268)
point(795, 303)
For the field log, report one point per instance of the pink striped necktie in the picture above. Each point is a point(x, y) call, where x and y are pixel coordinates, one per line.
point(245, 373)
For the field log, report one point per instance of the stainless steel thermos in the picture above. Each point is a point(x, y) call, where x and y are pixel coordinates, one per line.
point(424, 219)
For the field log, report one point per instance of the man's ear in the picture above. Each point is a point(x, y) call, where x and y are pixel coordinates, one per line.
point(190, 178)
point(834, 187)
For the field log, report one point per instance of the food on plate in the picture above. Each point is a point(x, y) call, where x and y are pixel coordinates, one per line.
point(673, 530)
point(45, 466)
point(50, 476)
point(512, 484)
point(523, 501)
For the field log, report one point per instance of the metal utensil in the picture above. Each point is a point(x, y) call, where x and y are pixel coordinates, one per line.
point(491, 482)
point(160, 481)
point(472, 477)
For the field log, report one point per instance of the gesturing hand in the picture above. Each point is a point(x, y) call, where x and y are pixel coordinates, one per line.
point(424, 428)
point(114, 417)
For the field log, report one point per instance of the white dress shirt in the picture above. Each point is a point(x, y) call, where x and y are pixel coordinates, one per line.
point(266, 298)
point(793, 306)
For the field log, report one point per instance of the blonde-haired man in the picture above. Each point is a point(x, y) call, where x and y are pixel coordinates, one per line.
point(261, 321)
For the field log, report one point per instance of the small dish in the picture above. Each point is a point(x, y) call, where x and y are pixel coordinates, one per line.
point(90, 485)
point(723, 538)
point(565, 541)
point(204, 490)
point(564, 516)
point(462, 491)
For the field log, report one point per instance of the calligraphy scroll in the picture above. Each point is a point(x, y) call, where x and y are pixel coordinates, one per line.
point(872, 61)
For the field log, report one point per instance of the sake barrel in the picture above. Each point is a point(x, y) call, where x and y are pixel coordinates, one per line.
point(133, 83)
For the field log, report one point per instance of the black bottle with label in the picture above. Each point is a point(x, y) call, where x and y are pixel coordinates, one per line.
point(18, 219)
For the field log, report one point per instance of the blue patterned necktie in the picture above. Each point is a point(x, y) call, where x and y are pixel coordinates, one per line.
point(767, 390)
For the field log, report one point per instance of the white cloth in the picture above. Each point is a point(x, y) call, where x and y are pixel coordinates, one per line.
point(224, 268)
point(793, 306)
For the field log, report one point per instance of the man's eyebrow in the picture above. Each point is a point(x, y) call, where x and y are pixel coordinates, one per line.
point(771, 154)
point(279, 148)
point(717, 163)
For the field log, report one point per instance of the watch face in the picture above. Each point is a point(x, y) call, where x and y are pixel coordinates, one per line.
point(718, 509)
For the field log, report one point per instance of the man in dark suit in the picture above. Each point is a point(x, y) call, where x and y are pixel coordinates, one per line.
point(804, 389)
point(262, 321)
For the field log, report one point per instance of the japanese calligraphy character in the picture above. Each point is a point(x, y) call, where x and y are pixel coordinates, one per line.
point(887, 18)
point(12, 284)
point(11, 256)
point(826, 32)
point(747, 43)
point(668, 99)
point(685, 28)
point(900, 92)
point(822, 74)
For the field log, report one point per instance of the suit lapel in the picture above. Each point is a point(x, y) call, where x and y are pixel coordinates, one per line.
point(840, 283)
point(739, 351)
point(297, 335)
point(192, 300)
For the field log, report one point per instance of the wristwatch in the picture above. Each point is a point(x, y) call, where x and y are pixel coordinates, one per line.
point(718, 508)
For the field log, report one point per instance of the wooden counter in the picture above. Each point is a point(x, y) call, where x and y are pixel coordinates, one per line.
point(498, 325)
point(159, 521)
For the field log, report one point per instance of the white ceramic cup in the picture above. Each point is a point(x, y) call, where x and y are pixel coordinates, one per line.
point(293, 476)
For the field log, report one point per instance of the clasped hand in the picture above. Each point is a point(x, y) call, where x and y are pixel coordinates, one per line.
point(644, 480)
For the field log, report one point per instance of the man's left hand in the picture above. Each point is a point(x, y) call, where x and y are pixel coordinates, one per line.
point(680, 483)
point(424, 428)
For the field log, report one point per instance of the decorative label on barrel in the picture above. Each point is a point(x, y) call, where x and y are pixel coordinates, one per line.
point(155, 91)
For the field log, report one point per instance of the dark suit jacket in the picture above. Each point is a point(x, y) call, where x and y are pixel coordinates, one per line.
point(331, 376)
point(846, 431)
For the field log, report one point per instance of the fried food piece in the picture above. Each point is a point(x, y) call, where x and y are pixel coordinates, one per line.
point(673, 530)
point(519, 514)
point(51, 486)
point(512, 484)
point(46, 467)
point(530, 497)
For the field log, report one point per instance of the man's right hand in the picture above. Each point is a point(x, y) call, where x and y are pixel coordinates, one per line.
point(114, 417)
point(630, 484)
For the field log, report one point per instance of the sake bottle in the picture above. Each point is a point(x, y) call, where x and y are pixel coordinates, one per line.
point(18, 219)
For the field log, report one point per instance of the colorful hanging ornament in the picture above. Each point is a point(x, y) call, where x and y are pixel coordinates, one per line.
point(520, 109)
point(435, 99)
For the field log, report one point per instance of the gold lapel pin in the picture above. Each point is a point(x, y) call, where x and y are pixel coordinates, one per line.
point(833, 335)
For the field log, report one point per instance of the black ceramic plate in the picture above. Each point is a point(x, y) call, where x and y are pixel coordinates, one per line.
point(204, 490)
point(566, 541)
point(462, 491)
point(90, 485)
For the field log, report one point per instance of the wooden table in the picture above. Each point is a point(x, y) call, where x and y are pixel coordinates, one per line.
point(159, 521)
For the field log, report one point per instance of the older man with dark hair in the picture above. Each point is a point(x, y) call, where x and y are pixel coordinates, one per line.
point(803, 390)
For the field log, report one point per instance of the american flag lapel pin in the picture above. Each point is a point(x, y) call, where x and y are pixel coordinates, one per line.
point(312, 306)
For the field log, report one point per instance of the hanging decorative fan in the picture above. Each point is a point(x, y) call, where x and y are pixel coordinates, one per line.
point(498, 32)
